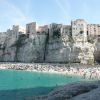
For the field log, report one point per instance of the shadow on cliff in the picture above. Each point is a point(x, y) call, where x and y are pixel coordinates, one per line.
point(24, 94)
point(61, 50)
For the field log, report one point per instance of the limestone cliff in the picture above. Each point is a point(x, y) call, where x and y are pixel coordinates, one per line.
point(22, 49)
point(45, 48)
point(32, 50)
point(97, 50)
point(65, 50)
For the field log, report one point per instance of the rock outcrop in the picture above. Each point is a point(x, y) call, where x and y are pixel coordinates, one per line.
point(97, 51)
point(22, 49)
point(65, 50)
point(75, 91)
point(32, 50)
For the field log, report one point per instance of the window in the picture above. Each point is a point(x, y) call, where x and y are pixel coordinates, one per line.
point(73, 28)
point(81, 32)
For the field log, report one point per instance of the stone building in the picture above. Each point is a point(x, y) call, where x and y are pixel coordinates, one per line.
point(43, 29)
point(55, 30)
point(66, 30)
point(17, 30)
point(31, 28)
point(93, 30)
point(79, 29)
point(98, 30)
point(56, 47)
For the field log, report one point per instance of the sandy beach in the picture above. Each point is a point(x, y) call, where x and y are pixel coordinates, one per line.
point(85, 71)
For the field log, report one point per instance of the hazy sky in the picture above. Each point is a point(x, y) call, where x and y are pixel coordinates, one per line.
point(20, 12)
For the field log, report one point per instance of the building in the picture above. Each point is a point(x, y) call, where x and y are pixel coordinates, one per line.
point(16, 30)
point(43, 29)
point(55, 30)
point(79, 29)
point(99, 30)
point(31, 28)
point(66, 30)
point(93, 30)
point(10, 32)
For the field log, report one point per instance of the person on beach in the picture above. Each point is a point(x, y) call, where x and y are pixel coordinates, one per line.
point(90, 76)
point(84, 75)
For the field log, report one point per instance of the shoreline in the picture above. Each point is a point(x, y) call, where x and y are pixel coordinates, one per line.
point(84, 71)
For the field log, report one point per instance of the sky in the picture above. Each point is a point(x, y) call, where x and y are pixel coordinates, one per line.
point(21, 12)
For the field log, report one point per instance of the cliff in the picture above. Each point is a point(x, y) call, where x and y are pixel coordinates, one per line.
point(66, 50)
point(97, 50)
point(22, 49)
point(45, 48)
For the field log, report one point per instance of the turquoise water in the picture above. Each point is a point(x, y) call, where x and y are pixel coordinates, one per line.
point(22, 84)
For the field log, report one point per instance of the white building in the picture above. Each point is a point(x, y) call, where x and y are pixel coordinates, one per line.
point(79, 29)
point(53, 28)
point(31, 28)
point(42, 29)
point(18, 30)
point(93, 30)
point(66, 30)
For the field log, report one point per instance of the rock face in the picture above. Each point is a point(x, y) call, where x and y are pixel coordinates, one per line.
point(32, 50)
point(9, 50)
point(75, 91)
point(58, 50)
point(65, 50)
point(2, 45)
point(6, 49)
point(22, 49)
point(54, 48)
point(97, 51)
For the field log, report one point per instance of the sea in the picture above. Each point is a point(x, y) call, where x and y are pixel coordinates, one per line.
point(21, 85)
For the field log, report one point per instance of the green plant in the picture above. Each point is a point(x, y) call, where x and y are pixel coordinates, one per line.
point(56, 31)
point(21, 40)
